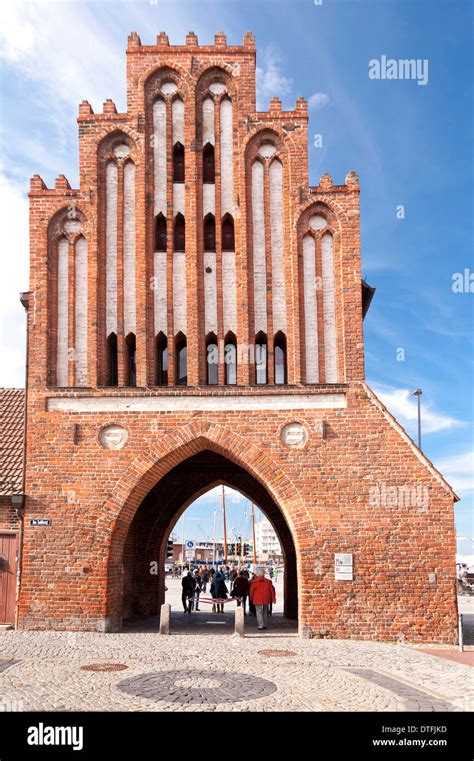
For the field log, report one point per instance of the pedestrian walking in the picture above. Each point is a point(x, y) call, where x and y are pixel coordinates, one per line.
point(277, 571)
point(204, 578)
point(262, 594)
point(219, 591)
point(252, 610)
point(188, 583)
point(197, 589)
point(241, 589)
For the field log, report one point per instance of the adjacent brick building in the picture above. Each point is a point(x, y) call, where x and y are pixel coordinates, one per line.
point(195, 317)
point(12, 427)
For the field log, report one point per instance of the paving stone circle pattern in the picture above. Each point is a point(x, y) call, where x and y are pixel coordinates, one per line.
point(189, 686)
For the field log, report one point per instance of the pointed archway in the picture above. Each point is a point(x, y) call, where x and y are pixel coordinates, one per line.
point(146, 543)
point(167, 453)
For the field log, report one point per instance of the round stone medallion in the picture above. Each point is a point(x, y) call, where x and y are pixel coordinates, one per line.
point(168, 88)
point(317, 222)
point(72, 226)
point(217, 88)
point(294, 435)
point(121, 151)
point(113, 436)
point(266, 150)
point(186, 686)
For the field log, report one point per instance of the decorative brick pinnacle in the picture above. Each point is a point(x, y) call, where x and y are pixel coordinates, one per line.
point(37, 184)
point(220, 40)
point(134, 40)
point(249, 40)
point(61, 183)
point(85, 108)
point(325, 183)
point(191, 39)
point(352, 178)
point(109, 107)
point(162, 39)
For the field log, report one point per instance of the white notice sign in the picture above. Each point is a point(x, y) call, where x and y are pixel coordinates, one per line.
point(343, 567)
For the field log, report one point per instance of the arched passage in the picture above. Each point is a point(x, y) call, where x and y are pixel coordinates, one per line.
point(152, 465)
point(146, 542)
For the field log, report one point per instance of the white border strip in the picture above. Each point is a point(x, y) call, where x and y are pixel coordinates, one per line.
point(206, 403)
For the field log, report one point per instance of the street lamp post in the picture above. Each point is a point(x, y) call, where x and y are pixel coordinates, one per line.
point(418, 394)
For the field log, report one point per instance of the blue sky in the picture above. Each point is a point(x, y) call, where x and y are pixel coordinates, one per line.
point(411, 145)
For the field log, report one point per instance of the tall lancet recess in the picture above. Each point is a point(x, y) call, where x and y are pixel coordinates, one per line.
point(62, 353)
point(329, 309)
point(227, 157)
point(229, 287)
point(111, 236)
point(259, 260)
point(179, 211)
point(310, 292)
point(209, 211)
point(160, 289)
point(81, 322)
point(277, 243)
point(129, 291)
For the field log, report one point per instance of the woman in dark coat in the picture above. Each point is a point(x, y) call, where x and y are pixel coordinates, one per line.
point(219, 591)
point(241, 589)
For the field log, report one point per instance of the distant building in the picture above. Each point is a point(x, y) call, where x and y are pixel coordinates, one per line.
point(266, 540)
point(204, 552)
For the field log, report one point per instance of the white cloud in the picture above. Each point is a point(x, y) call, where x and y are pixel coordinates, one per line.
point(403, 406)
point(14, 242)
point(269, 78)
point(61, 48)
point(318, 100)
point(458, 469)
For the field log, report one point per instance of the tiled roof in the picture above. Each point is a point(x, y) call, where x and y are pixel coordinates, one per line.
point(12, 403)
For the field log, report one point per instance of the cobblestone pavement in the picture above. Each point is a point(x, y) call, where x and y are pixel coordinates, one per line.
point(42, 671)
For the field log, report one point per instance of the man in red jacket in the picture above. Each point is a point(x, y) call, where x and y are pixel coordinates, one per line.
point(262, 593)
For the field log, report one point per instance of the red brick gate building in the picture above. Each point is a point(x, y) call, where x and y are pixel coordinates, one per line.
point(195, 318)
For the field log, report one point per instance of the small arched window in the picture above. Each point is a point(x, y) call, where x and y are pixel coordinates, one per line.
point(178, 162)
point(179, 233)
point(261, 370)
point(209, 233)
point(181, 354)
point(228, 241)
point(161, 360)
point(160, 232)
point(208, 164)
point(279, 354)
point(230, 359)
point(212, 360)
point(112, 362)
point(130, 358)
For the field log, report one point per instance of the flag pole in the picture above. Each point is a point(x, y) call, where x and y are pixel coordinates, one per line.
point(253, 535)
point(224, 524)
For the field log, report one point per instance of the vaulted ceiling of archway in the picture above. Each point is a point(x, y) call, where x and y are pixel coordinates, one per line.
point(191, 478)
